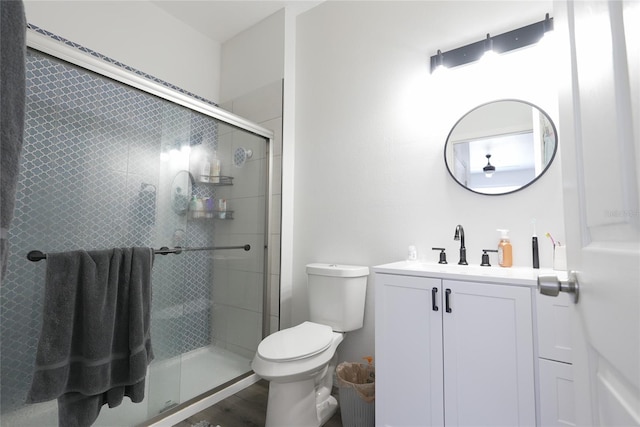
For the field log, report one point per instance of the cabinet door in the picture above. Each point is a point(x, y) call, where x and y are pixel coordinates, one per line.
point(408, 351)
point(557, 406)
point(554, 330)
point(488, 355)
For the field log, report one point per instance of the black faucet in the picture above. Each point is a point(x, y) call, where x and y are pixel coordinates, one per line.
point(463, 250)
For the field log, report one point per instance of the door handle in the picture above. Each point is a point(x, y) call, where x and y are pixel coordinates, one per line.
point(549, 284)
point(434, 295)
point(446, 300)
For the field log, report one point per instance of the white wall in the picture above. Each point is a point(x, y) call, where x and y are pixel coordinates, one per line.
point(371, 124)
point(253, 59)
point(138, 34)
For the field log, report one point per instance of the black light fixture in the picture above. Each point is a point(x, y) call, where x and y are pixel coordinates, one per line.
point(439, 60)
point(501, 43)
point(488, 44)
point(488, 49)
point(489, 169)
point(548, 23)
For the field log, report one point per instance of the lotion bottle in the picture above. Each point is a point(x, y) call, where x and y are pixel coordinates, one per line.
point(505, 251)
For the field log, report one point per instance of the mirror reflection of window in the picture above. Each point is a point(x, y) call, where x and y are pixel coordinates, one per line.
point(512, 155)
point(513, 136)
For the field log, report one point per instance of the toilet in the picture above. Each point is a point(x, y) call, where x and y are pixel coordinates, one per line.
point(299, 362)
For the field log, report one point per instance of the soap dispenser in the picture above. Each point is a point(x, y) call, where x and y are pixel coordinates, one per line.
point(505, 251)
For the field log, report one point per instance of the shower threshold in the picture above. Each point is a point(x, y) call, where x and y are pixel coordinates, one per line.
point(202, 402)
point(202, 373)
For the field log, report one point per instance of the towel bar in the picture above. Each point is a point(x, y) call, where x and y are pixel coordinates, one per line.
point(39, 255)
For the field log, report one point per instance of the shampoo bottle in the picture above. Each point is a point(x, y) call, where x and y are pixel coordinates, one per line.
point(505, 252)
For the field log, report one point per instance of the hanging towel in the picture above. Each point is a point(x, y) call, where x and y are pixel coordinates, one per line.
point(94, 346)
point(13, 29)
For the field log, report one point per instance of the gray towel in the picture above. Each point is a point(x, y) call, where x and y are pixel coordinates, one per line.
point(94, 346)
point(13, 29)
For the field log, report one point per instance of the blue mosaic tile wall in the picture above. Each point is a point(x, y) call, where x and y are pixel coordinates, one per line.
point(91, 177)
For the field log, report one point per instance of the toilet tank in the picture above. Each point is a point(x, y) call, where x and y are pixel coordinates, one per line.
point(337, 294)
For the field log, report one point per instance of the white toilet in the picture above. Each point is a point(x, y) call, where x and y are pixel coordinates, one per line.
point(300, 361)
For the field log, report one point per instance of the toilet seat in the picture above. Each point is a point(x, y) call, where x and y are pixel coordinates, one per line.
point(299, 342)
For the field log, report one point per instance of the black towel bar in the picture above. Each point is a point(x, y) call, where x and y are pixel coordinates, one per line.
point(39, 255)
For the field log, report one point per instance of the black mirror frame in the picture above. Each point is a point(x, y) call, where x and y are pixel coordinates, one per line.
point(553, 156)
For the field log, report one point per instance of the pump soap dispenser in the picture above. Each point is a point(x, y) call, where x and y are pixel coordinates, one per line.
point(505, 251)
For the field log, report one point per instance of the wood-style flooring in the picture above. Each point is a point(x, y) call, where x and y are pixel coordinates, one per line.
point(247, 408)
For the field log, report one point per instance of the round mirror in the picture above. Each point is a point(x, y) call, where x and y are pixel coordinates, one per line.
point(500, 147)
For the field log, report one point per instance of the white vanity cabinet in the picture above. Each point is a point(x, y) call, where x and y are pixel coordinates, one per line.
point(452, 352)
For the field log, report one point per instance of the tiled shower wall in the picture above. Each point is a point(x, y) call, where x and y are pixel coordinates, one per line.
point(91, 178)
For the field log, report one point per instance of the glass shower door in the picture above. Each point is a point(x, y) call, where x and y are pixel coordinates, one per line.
point(210, 313)
point(102, 165)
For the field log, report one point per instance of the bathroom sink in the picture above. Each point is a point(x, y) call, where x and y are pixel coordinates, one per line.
point(513, 275)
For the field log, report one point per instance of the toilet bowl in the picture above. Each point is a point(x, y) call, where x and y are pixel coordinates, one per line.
point(300, 362)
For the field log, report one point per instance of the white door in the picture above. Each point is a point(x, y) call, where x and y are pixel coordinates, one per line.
point(600, 148)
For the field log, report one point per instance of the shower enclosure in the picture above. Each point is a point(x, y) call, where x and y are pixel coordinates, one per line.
point(112, 158)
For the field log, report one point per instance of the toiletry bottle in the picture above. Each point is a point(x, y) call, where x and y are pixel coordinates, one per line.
point(215, 168)
point(208, 207)
point(412, 253)
point(193, 207)
point(505, 252)
point(205, 169)
point(221, 208)
point(199, 212)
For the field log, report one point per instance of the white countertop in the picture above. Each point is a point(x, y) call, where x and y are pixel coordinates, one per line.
point(522, 276)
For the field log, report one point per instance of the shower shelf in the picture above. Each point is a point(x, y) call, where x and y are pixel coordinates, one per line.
point(204, 215)
point(216, 180)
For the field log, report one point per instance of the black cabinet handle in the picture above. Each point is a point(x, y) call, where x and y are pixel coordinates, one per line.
point(434, 295)
point(446, 300)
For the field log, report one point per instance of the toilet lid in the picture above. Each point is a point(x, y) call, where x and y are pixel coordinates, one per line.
point(298, 342)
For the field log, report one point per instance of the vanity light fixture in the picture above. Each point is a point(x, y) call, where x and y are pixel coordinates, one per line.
point(501, 43)
point(489, 169)
point(489, 53)
point(547, 23)
point(439, 62)
point(488, 44)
